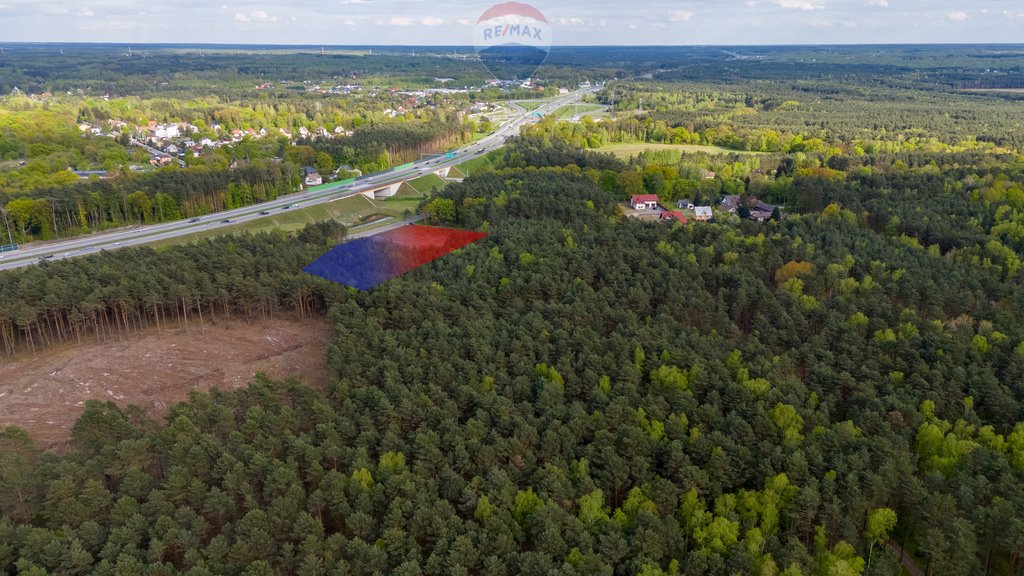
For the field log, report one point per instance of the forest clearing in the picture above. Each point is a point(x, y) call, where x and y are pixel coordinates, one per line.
point(44, 394)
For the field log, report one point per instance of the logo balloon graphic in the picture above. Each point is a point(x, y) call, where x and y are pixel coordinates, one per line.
point(512, 39)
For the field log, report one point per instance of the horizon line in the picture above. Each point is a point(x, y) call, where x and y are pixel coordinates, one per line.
point(472, 48)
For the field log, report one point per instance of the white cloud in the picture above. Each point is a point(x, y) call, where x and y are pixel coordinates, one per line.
point(255, 16)
point(680, 16)
point(401, 21)
point(464, 22)
point(85, 12)
point(355, 1)
point(432, 21)
point(798, 5)
point(879, 3)
point(957, 16)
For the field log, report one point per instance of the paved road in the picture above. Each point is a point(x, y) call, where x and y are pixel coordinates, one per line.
point(36, 252)
point(154, 151)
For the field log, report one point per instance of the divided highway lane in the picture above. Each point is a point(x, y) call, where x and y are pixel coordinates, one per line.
point(143, 235)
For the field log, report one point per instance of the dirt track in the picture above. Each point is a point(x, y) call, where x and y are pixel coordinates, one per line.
point(46, 393)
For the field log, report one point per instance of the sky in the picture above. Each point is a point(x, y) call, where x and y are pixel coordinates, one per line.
point(573, 22)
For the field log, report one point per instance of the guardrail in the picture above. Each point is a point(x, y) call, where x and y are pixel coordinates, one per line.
point(8, 248)
point(344, 182)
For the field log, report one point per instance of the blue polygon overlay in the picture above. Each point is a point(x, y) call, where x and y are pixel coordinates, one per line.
point(363, 263)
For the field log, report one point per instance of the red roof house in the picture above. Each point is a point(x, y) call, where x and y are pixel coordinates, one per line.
point(644, 201)
point(673, 215)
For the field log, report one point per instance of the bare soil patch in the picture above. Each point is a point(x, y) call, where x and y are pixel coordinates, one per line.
point(45, 394)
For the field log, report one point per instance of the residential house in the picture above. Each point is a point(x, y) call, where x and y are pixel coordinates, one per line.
point(702, 213)
point(707, 174)
point(674, 215)
point(685, 204)
point(312, 177)
point(644, 201)
point(760, 215)
point(764, 207)
point(162, 132)
point(730, 203)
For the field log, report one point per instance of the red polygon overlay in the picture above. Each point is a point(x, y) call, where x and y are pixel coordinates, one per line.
point(418, 245)
point(368, 262)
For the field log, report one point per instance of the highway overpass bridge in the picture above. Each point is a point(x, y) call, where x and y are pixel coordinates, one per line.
point(388, 189)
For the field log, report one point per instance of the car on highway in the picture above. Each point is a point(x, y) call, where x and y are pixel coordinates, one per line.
point(193, 220)
point(225, 221)
point(264, 213)
point(286, 206)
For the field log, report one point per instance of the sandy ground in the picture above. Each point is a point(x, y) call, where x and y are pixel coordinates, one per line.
point(46, 393)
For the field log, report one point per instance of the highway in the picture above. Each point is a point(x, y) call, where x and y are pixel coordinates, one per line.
point(82, 245)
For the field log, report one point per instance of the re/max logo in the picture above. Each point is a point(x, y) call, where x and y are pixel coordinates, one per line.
point(512, 30)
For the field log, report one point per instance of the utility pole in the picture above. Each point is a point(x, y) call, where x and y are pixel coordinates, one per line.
point(7, 222)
